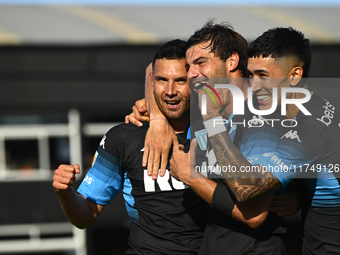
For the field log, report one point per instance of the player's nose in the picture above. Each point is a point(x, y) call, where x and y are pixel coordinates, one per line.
point(193, 72)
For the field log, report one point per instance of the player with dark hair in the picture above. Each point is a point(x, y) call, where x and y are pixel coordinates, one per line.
point(167, 217)
point(217, 51)
point(222, 228)
point(307, 149)
point(223, 42)
point(283, 43)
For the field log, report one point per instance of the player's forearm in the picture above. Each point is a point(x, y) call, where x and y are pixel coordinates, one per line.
point(151, 104)
point(202, 186)
point(77, 209)
point(244, 185)
point(252, 213)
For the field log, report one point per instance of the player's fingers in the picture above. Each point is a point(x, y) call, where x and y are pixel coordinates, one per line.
point(193, 144)
point(127, 119)
point(192, 151)
point(135, 117)
point(131, 119)
point(164, 162)
point(62, 181)
point(150, 162)
point(65, 176)
point(145, 156)
point(139, 114)
point(175, 140)
point(76, 168)
point(141, 105)
point(142, 109)
point(156, 163)
point(64, 170)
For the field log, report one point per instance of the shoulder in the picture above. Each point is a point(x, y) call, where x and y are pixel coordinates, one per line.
point(125, 130)
point(124, 135)
point(323, 123)
point(324, 113)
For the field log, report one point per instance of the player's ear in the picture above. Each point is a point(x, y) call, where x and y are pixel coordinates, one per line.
point(151, 80)
point(150, 77)
point(295, 75)
point(232, 62)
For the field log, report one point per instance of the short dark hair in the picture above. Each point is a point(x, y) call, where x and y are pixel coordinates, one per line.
point(283, 42)
point(224, 41)
point(174, 49)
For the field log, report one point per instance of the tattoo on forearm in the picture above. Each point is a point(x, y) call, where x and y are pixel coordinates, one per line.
point(244, 185)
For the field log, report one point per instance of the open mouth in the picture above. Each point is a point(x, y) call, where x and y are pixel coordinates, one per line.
point(263, 97)
point(198, 83)
point(172, 103)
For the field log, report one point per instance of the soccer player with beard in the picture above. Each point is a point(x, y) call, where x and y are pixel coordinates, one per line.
point(216, 51)
point(167, 217)
point(308, 149)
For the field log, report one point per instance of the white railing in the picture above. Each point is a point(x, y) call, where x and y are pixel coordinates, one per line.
point(41, 237)
point(41, 133)
point(47, 237)
point(98, 129)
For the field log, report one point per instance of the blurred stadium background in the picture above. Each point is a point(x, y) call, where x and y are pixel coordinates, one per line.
point(71, 69)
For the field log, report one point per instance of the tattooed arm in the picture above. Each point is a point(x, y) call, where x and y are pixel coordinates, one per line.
point(244, 185)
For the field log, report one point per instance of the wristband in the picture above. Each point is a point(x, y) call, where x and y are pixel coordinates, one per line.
point(215, 126)
point(221, 199)
point(159, 119)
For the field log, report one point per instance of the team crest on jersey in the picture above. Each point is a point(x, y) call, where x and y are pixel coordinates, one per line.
point(291, 135)
point(102, 142)
point(202, 139)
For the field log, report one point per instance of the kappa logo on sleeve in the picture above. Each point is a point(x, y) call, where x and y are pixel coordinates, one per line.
point(252, 159)
point(102, 142)
point(268, 154)
point(291, 135)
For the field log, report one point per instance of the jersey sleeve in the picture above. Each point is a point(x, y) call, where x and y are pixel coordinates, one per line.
point(296, 150)
point(105, 178)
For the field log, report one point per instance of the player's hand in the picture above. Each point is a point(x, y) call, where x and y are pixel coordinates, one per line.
point(286, 204)
point(139, 113)
point(182, 164)
point(64, 177)
point(159, 139)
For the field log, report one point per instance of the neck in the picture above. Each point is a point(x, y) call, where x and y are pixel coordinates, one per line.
point(180, 125)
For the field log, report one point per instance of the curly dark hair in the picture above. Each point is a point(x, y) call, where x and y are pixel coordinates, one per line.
point(224, 41)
